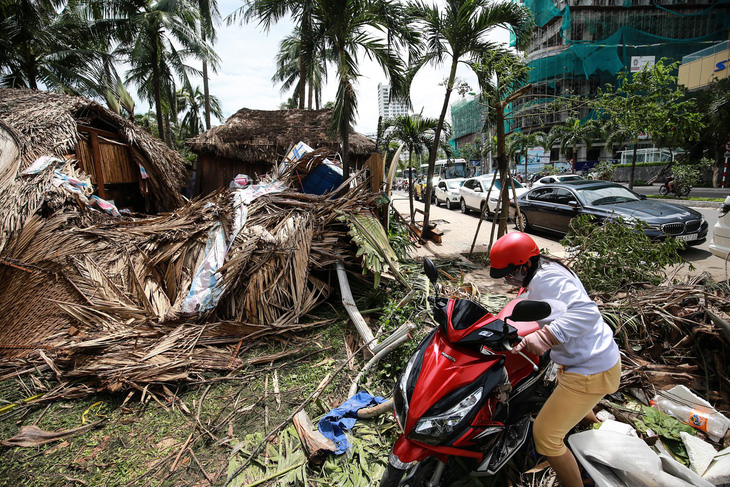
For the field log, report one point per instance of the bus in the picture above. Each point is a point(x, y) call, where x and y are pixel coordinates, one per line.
point(446, 169)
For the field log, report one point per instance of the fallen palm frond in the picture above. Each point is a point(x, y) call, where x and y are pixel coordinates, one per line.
point(673, 334)
point(105, 297)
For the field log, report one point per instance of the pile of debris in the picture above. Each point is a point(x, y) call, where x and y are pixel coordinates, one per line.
point(136, 299)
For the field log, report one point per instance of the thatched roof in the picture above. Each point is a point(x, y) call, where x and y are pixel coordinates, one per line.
point(266, 135)
point(46, 123)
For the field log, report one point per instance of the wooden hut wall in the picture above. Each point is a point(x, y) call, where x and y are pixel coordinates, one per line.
point(116, 163)
point(215, 172)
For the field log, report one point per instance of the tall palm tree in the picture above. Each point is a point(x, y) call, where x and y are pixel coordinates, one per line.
point(288, 62)
point(572, 133)
point(457, 34)
point(268, 12)
point(157, 38)
point(416, 132)
point(349, 28)
point(209, 17)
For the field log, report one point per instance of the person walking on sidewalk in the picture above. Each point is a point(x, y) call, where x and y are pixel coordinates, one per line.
point(581, 343)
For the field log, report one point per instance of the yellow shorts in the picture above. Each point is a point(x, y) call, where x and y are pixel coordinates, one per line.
point(573, 398)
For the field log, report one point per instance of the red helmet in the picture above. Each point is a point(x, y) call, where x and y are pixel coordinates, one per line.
point(509, 252)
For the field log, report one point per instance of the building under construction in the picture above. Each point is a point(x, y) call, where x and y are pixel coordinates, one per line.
point(580, 45)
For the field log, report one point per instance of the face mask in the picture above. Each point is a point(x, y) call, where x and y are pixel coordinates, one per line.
point(516, 278)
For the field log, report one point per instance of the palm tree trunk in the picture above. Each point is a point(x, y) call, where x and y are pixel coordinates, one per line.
point(410, 181)
point(206, 90)
point(158, 100)
point(345, 130)
point(502, 163)
point(435, 148)
point(311, 94)
point(302, 81)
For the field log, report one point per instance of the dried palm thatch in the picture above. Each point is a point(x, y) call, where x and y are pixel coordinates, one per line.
point(44, 124)
point(92, 295)
point(674, 334)
point(266, 135)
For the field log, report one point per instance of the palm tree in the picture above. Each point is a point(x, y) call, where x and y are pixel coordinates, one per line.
point(209, 17)
point(288, 62)
point(39, 43)
point(574, 132)
point(458, 32)
point(157, 39)
point(268, 12)
point(190, 103)
point(416, 132)
point(348, 27)
point(522, 142)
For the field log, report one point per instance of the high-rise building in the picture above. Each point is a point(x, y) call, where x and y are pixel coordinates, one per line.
point(389, 107)
point(580, 45)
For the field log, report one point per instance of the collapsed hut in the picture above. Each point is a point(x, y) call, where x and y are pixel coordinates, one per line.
point(252, 142)
point(130, 300)
point(127, 165)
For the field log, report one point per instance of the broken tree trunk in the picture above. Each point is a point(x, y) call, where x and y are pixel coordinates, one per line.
point(315, 445)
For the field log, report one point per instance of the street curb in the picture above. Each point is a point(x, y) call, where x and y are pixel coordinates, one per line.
point(690, 203)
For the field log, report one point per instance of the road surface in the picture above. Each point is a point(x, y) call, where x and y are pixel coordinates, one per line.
point(459, 234)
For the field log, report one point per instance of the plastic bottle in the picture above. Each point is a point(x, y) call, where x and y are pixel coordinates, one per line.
point(707, 420)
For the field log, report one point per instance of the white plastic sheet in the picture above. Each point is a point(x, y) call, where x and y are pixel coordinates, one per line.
point(206, 290)
point(618, 460)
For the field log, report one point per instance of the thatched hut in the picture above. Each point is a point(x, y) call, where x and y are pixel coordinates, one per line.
point(252, 141)
point(126, 164)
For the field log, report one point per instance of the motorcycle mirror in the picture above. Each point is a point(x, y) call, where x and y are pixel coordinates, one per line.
point(430, 269)
point(527, 310)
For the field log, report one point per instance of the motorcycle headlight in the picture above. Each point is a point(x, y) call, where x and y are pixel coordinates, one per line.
point(436, 428)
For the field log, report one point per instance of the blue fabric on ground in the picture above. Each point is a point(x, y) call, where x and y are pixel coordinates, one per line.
point(334, 424)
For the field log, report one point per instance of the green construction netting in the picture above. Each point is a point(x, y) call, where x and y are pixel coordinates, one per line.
point(618, 35)
point(467, 117)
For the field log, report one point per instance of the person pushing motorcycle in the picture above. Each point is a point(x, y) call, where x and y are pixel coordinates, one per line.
point(581, 343)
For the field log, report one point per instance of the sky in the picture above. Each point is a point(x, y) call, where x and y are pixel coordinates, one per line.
point(248, 61)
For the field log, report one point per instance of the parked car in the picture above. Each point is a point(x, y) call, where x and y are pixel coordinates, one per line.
point(557, 178)
point(552, 207)
point(477, 190)
point(447, 191)
point(720, 243)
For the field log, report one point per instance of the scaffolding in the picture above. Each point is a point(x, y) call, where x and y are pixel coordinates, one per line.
point(581, 45)
point(467, 117)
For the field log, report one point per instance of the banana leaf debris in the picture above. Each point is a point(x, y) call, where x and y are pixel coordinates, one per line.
point(131, 300)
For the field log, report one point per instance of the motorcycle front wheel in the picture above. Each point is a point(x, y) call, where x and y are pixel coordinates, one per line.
point(663, 190)
point(391, 477)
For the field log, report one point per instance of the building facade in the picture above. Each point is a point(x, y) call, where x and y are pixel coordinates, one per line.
point(580, 45)
point(389, 107)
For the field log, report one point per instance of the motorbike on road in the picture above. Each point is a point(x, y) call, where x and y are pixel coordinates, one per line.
point(678, 189)
point(463, 396)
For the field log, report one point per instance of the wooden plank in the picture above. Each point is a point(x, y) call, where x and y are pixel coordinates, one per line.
point(96, 157)
point(92, 130)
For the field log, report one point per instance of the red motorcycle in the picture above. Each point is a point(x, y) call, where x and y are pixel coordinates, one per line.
point(464, 395)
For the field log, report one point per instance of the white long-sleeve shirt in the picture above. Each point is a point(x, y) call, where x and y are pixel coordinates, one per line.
point(586, 341)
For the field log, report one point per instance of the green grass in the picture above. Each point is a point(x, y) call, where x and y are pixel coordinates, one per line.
point(688, 198)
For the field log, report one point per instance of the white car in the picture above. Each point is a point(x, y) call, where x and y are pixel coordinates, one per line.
point(476, 191)
point(720, 243)
point(557, 178)
point(447, 191)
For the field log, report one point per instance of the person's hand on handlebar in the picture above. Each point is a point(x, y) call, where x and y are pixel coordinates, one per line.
point(537, 343)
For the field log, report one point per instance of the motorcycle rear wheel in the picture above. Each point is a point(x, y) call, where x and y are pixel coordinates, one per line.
point(684, 191)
